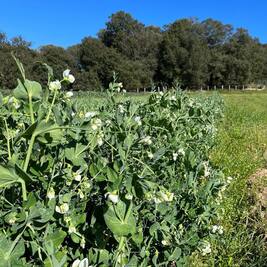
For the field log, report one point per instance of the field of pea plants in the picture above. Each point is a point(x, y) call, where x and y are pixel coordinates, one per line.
point(119, 180)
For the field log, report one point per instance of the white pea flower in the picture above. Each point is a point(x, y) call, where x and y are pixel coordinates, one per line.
point(86, 184)
point(137, 119)
point(217, 228)
point(206, 173)
point(82, 243)
point(220, 230)
point(14, 102)
point(51, 193)
point(11, 221)
point(157, 200)
point(214, 229)
point(72, 229)
point(113, 197)
point(69, 94)
point(81, 194)
point(96, 123)
point(190, 103)
point(55, 85)
point(66, 73)
point(11, 100)
point(129, 196)
point(148, 196)
point(63, 208)
point(121, 108)
point(72, 114)
point(150, 155)
point(175, 156)
point(11, 218)
point(90, 114)
point(124, 91)
point(206, 169)
point(108, 122)
point(100, 140)
point(165, 242)
point(67, 76)
point(181, 151)
point(120, 85)
point(76, 263)
point(166, 196)
point(67, 219)
point(80, 263)
point(77, 175)
point(206, 249)
point(229, 179)
point(147, 140)
point(81, 114)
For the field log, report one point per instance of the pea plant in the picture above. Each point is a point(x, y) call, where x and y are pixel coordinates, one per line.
point(126, 184)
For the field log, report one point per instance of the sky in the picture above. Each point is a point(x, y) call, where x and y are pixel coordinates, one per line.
point(67, 22)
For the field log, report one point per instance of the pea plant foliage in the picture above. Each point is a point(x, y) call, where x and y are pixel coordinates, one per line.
point(128, 184)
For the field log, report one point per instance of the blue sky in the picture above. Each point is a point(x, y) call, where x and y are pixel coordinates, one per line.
point(66, 22)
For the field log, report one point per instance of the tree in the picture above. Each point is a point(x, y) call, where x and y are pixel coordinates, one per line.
point(243, 62)
point(8, 69)
point(183, 54)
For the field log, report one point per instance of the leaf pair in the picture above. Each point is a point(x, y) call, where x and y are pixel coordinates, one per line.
point(120, 221)
point(28, 89)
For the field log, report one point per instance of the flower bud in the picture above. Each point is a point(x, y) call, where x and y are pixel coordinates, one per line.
point(54, 86)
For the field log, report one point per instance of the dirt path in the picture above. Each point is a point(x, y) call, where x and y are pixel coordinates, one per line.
point(258, 185)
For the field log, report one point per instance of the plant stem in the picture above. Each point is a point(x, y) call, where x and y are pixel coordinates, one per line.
point(31, 109)
point(52, 104)
point(121, 243)
point(29, 152)
point(24, 190)
point(7, 139)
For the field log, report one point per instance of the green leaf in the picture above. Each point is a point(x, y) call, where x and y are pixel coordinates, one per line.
point(45, 127)
point(57, 237)
point(20, 91)
point(34, 89)
point(133, 262)
point(154, 228)
point(8, 176)
point(175, 255)
point(98, 256)
point(76, 155)
point(10, 257)
point(138, 236)
point(20, 66)
point(50, 72)
point(112, 175)
point(117, 221)
point(28, 89)
point(22, 174)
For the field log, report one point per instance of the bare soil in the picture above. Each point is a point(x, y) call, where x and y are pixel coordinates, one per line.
point(258, 193)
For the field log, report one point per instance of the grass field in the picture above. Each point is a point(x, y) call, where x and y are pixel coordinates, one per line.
point(240, 143)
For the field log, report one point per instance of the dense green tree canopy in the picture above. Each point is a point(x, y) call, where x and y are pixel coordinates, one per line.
point(195, 53)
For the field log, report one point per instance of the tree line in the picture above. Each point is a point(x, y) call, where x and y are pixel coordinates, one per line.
point(192, 52)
